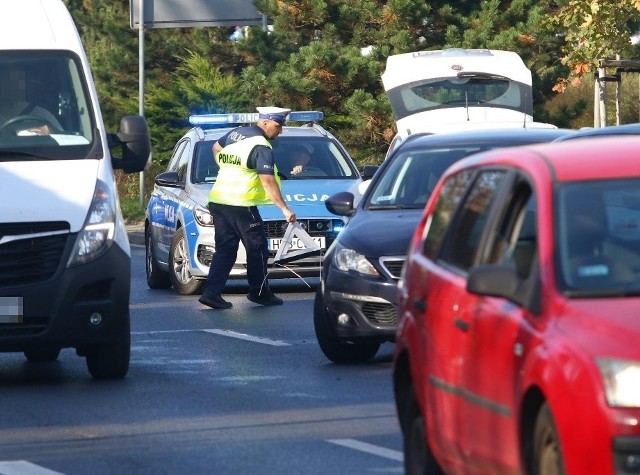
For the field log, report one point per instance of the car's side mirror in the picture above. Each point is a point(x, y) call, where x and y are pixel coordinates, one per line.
point(341, 203)
point(368, 171)
point(134, 141)
point(169, 179)
point(504, 281)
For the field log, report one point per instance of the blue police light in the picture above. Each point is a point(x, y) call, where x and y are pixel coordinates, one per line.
point(250, 117)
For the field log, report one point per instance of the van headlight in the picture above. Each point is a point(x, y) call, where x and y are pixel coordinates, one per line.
point(96, 236)
point(621, 381)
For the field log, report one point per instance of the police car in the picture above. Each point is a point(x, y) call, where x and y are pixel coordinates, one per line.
point(179, 231)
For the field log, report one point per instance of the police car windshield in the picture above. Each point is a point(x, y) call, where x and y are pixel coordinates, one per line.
point(319, 158)
point(44, 106)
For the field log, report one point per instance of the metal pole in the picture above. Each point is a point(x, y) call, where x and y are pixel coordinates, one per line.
point(603, 96)
point(618, 93)
point(596, 101)
point(141, 84)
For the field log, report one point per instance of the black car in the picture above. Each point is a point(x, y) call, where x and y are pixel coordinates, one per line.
point(626, 129)
point(355, 305)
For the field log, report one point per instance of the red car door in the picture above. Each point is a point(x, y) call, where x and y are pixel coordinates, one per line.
point(498, 336)
point(443, 343)
point(432, 298)
point(449, 313)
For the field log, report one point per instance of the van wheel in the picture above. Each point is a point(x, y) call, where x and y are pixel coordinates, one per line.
point(179, 266)
point(418, 459)
point(50, 354)
point(547, 453)
point(111, 360)
point(334, 348)
point(156, 277)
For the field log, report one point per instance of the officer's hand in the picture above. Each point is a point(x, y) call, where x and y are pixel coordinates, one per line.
point(289, 215)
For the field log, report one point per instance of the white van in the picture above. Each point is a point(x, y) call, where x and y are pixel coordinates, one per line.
point(459, 89)
point(65, 264)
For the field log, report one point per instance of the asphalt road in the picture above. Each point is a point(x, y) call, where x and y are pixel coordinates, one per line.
point(239, 391)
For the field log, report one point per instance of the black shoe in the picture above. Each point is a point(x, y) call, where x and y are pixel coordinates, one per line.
point(265, 298)
point(214, 301)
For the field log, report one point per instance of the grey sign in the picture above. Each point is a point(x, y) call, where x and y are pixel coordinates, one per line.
point(190, 13)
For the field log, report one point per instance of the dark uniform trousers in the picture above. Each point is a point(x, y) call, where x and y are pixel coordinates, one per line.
point(234, 224)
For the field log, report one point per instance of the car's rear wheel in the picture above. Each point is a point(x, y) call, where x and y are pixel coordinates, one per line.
point(180, 268)
point(547, 453)
point(418, 459)
point(49, 354)
point(111, 360)
point(156, 277)
point(334, 348)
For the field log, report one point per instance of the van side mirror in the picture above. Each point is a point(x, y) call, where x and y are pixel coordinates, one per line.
point(134, 141)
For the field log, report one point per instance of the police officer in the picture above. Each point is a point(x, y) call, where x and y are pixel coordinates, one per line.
point(247, 178)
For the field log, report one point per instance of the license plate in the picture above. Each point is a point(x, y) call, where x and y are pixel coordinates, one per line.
point(296, 243)
point(11, 310)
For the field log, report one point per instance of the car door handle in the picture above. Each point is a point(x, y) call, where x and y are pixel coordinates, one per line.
point(461, 324)
point(420, 304)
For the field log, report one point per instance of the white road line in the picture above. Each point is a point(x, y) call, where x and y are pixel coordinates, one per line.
point(153, 332)
point(22, 467)
point(368, 448)
point(243, 336)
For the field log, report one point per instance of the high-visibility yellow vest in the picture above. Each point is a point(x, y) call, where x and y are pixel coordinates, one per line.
point(237, 184)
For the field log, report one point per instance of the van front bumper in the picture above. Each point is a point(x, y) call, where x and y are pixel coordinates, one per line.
point(78, 306)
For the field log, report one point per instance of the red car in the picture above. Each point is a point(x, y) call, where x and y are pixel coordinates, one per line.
point(518, 345)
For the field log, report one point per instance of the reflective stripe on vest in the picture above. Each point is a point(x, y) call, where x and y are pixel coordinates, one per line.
point(237, 184)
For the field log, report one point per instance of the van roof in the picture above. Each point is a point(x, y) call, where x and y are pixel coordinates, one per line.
point(420, 65)
point(38, 24)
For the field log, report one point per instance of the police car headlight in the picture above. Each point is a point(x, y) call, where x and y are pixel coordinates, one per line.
point(621, 381)
point(96, 236)
point(347, 259)
point(202, 216)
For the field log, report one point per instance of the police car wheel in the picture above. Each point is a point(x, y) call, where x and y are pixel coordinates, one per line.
point(156, 277)
point(334, 348)
point(179, 267)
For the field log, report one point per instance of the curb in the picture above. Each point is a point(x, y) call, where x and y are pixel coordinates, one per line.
point(135, 231)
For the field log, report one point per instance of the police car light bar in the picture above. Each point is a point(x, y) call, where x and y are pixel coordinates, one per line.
point(249, 118)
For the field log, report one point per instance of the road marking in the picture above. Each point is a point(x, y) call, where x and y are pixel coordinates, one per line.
point(22, 467)
point(153, 332)
point(243, 336)
point(368, 448)
point(232, 334)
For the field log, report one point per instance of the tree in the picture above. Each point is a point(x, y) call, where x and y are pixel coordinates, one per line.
point(593, 30)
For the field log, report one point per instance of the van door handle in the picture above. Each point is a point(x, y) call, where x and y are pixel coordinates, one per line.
point(420, 304)
point(461, 324)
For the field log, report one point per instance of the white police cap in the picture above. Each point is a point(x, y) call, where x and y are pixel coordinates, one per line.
point(279, 114)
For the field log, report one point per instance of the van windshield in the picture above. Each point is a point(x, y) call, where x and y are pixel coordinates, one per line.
point(45, 109)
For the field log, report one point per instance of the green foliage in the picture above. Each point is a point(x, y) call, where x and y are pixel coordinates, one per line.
point(593, 30)
point(329, 55)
